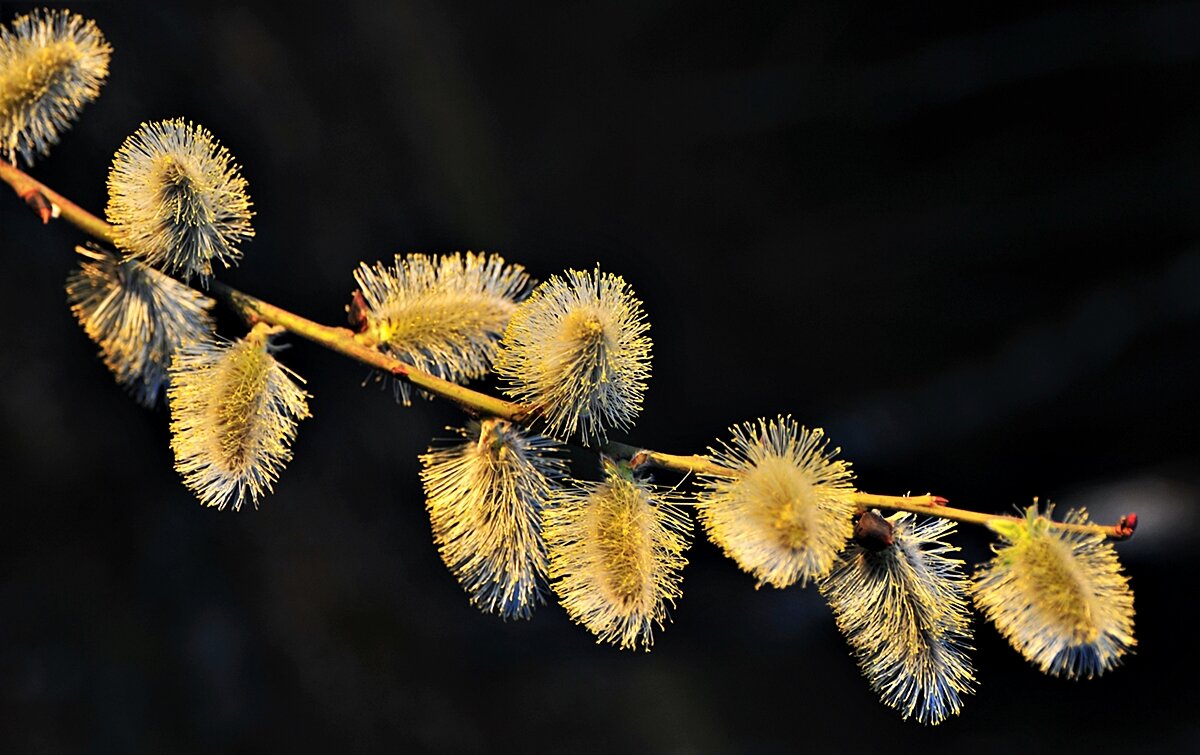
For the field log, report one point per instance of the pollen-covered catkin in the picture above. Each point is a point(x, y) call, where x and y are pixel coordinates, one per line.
point(138, 317)
point(616, 556)
point(904, 610)
point(485, 497)
point(52, 63)
point(177, 200)
point(234, 411)
point(1058, 597)
point(443, 315)
point(578, 350)
point(784, 510)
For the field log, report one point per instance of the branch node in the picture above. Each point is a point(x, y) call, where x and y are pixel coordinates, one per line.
point(639, 459)
point(873, 532)
point(356, 312)
point(38, 202)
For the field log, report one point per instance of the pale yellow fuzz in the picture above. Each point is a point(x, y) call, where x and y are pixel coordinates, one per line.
point(442, 314)
point(52, 63)
point(622, 544)
point(781, 501)
point(485, 497)
point(234, 411)
point(785, 511)
point(241, 380)
point(34, 75)
point(616, 557)
point(578, 350)
point(177, 199)
point(904, 610)
point(1059, 597)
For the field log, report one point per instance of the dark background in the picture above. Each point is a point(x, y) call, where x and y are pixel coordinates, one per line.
point(962, 241)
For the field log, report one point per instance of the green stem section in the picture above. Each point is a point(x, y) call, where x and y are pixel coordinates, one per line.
point(50, 204)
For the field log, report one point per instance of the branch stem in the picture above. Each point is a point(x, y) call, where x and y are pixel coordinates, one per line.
point(344, 341)
point(930, 505)
point(30, 189)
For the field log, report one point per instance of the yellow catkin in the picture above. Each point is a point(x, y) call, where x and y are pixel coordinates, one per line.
point(616, 557)
point(485, 497)
point(52, 63)
point(904, 610)
point(234, 411)
point(1058, 597)
point(138, 317)
point(578, 350)
point(443, 315)
point(785, 511)
point(177, 199)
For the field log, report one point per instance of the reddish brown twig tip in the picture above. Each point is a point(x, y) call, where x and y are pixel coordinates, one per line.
point(38, 203)
point(937, 500)
point(1125, 526)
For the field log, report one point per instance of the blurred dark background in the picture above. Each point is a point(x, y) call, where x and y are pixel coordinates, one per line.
point(964, 241)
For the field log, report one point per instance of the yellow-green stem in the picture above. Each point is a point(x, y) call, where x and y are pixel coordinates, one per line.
point(930, 505)
point(30, 189)
point(50, 203)
point(346, 342)
point(341, 340)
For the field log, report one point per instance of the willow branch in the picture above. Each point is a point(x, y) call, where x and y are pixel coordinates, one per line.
point(49, 204)
point(931, 505)
point(344, 341)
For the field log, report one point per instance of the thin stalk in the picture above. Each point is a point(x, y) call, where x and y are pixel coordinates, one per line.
point(344, 341)
point(48, 204)
point(931, 505)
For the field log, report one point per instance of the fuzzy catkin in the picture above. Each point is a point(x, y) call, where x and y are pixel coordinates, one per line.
point(1058, 597)
point(443, 315)
point(578, 350)
point(138, 317)
point(616, 557)
point(52, 63)
point(177, 200)
point(485, 498)
point(785, 509)
point(904, 611)
point(234, 411)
